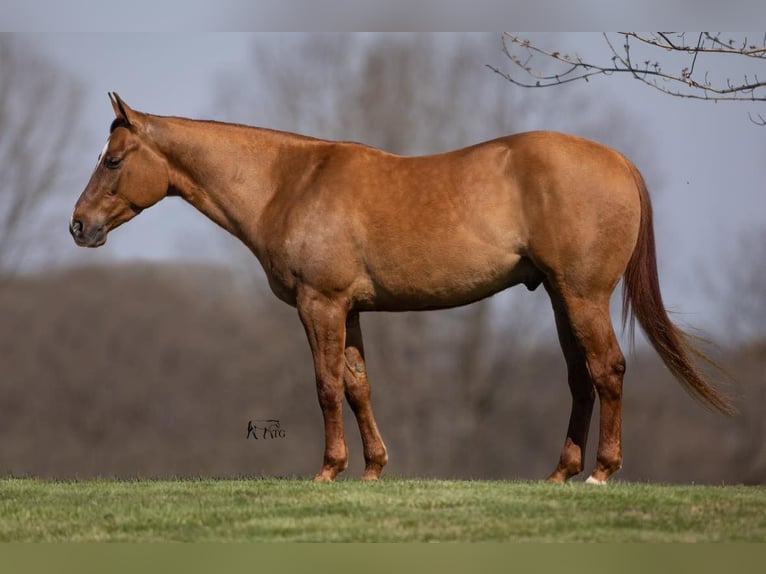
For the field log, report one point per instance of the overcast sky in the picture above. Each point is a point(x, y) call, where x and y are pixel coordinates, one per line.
point(710, 155)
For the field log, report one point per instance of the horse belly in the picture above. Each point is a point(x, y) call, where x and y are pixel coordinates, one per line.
point(444, 276)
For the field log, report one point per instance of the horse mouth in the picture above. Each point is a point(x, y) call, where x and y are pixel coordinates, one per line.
point(92, 243)
point(94, 239)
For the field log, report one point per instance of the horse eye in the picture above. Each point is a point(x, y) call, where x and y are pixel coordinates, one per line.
point(112, 162)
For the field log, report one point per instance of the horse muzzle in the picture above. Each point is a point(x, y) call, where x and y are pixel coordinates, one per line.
point(87, 235)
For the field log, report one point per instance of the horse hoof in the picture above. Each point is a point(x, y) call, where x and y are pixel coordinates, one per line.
point(592, 480)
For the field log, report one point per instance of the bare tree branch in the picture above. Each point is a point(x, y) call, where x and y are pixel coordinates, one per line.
point(689, 80)
point(39, 108)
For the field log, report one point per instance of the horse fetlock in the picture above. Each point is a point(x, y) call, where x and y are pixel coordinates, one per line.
point(337, 460)
point(557, 477)
point(570, 461)
point(325, 475)
point(372, 471)
point(377, 456)
point(606, 466)
point(331, 468)
point(565, 471)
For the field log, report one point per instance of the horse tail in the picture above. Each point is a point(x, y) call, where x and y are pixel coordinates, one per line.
point(641, 299)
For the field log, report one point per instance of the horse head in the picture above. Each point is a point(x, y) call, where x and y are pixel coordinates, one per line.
point(130, 175)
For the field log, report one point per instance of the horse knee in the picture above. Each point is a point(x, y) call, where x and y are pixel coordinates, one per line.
point(330, 396)
point(336, 458)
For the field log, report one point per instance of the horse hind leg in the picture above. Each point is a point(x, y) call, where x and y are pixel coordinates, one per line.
point(357, 391)
point(592, 327)
point(582, 391)
point(595, 363)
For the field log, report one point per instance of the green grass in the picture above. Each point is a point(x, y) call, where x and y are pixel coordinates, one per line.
point(391, 510)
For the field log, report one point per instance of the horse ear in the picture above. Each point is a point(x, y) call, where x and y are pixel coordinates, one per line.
point(121, 109)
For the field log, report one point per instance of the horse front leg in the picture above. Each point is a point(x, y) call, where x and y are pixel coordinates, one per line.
point(357, 388)
point(324, 320)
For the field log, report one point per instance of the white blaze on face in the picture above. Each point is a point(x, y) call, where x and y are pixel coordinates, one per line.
point(98, 161)
point(103, 151)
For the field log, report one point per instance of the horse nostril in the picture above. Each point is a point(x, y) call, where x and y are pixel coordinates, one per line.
point(75, 227)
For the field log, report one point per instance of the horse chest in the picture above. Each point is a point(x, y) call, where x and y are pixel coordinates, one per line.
point(282, 279)
point(290, 266)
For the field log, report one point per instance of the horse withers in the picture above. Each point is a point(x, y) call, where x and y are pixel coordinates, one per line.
point(341, 228)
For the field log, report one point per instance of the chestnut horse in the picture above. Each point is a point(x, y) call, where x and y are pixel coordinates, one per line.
point(342, 228)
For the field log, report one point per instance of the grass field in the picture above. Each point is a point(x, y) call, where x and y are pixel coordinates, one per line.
point(391, 510)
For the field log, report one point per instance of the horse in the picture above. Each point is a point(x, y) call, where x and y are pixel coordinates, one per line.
point(342, 228)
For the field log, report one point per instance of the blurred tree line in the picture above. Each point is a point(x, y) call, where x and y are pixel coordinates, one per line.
point(156, 370)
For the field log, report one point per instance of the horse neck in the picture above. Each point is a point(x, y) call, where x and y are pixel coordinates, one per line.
point(228, 172)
